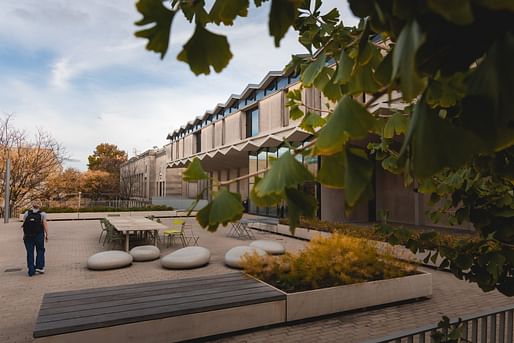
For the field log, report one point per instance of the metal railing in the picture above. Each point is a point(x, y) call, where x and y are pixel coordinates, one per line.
point(494, 326)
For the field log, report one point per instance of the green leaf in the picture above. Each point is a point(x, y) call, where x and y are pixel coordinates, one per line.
point(194, 9)
point(225, 11)
point(285, 172)
point(331, 173)
point(497, 4)
point(357, 176)
point(158, 36)
point(384, 70)
point(349, 120)
point(344, 68)
point(194, 171)
point(205, 49)
point(490, 92)
point(299, 204)
point(446, 92)
point(362, 81)
point(225, 207)
point(435, 143)
point(397, 124)
point(313, 69)
point(282, 15)
point(456, 11)
point(404, 60)
point(312, 121)
point(295, 113)
point(266, 200)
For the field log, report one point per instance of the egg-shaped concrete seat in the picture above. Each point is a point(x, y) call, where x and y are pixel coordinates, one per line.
point(145, 253)
point(234, 257)
point(109, 260)
point(271, 247)
point(186, 258)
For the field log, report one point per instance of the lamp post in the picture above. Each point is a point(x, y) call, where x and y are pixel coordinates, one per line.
point(7, 182)
point(78, 209)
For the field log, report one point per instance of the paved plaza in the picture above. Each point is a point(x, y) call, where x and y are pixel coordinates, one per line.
point(72, 242)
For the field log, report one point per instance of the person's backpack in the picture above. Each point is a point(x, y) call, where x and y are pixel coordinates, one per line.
point(33, 224)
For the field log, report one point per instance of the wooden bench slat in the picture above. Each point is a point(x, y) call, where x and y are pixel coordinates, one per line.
point(125, 294)
point(72, 325)
point(136, 299)
point(171, 303)
point(62, 296)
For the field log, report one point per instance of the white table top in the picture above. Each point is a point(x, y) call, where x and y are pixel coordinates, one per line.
point(135, 224)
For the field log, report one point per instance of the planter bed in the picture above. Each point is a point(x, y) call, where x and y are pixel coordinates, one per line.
point(324, 301)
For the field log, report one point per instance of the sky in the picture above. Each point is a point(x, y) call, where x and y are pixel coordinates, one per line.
point(74, 69)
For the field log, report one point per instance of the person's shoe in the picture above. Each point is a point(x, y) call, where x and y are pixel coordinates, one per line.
point(40, 271)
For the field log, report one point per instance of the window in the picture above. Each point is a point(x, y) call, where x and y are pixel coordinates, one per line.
point(252, 122)
point(282, 82)
point(271, 88)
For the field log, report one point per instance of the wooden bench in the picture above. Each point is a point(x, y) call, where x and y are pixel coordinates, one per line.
point(162, 311)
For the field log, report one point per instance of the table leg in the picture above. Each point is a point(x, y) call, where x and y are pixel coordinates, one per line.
point(127, 235)
point(155, 233)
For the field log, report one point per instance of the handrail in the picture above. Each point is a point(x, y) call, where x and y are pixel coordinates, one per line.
point(484, 328)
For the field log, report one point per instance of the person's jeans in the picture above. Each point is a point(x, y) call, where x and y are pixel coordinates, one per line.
point(37, 242)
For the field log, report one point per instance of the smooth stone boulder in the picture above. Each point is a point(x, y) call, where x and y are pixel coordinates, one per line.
point(109, 260)
point(234, 257)
point(145, 253)
point(186, 258)
point(271, 247)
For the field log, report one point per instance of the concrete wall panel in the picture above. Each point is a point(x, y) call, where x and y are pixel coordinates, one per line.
point(207, 137)
point(233, 128)
point(271, 112)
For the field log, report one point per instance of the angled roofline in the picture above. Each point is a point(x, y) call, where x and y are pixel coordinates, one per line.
point(249, 88)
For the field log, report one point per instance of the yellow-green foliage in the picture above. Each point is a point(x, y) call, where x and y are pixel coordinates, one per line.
point(327, 262)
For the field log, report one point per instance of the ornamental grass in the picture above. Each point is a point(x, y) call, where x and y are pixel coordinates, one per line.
point(327, 262)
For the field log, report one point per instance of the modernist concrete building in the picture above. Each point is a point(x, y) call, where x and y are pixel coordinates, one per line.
point(239, 136)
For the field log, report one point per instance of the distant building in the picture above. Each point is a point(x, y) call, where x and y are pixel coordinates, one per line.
point(239, 136)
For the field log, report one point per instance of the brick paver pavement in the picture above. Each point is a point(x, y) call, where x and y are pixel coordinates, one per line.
point(71, 242)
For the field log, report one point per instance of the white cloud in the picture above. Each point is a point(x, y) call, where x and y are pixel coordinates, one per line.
point(101, 85)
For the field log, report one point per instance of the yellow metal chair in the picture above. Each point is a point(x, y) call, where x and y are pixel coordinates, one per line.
point(177, 231)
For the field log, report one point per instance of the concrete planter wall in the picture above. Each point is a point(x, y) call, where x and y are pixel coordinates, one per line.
point(319, 302)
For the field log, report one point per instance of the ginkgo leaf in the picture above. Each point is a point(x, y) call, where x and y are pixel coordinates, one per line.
point(312, 121)
point(455, 11)
point(225, 11)
point(312, 71)
point(344, 68)
point(282, 15)
point(357, 176)
point(331, 172)
point(404, 60)
point(397, 124)
point(299, 204)
point(204, 50)
point(285, 172)
point(349, 120)
point(194, 171)
point(158, 36)
point(225, 207)
point(435, 143)
point(266, 200)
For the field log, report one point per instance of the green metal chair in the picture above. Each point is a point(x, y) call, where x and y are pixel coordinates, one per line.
point(177, 231)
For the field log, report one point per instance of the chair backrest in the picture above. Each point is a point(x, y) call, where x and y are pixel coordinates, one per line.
point(178, 224)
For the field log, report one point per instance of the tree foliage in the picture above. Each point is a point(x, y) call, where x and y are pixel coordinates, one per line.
point(34, 162)
point(106, 158)
point(447, 63)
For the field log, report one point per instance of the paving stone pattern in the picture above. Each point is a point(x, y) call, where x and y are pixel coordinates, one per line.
point(72, 242)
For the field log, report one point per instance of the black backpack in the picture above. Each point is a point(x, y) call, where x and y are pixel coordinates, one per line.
point(33, 224)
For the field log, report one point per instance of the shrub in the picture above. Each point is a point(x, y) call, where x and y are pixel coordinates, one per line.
point(387, 233)
point(327, 262)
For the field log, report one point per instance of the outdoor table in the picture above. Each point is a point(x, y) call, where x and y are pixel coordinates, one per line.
point(127, 225)
point(242, 230)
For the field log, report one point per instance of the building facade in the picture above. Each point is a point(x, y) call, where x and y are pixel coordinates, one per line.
point(240, 137)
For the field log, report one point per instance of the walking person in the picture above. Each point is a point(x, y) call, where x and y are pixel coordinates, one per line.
point(35, 232)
